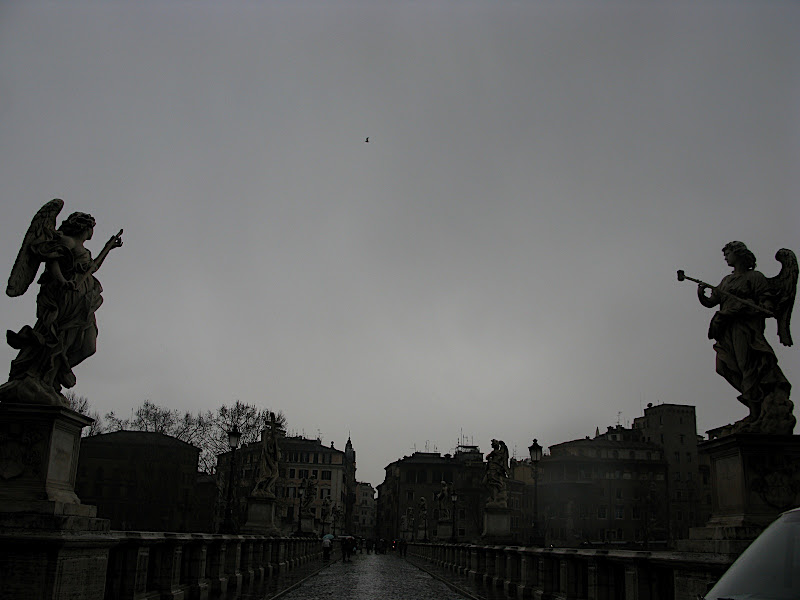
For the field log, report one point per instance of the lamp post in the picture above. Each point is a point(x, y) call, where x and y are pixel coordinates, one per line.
point(335, 511)
point(233, 441)
point(536, 455)
point(454, 498)
point(299, 510)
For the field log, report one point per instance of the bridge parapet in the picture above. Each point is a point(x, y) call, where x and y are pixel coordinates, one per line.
point(196, 566)
point(577, 573)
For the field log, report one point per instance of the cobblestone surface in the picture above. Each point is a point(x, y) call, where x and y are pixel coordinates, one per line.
point(372, 577)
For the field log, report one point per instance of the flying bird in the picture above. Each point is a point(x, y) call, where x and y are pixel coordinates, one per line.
point(366, 140)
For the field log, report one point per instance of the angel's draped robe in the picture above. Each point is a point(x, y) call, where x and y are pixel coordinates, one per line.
point(65, 332)
point(744, 357)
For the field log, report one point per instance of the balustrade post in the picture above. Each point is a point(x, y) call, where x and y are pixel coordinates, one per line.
point(499, 577)
point(194, 562)
point(547, 575)
point(526, 562)
point(511, 581)
point(246, 563)
point(637, 581)
point(478, 563)
point(257, 558)
point(127, 571)
point(167, 567)
point(266, 557)
point(572, 577)
point(471, 561)
point(215, 568)
point(233, 557)
point(489, 567)
point(279, 555)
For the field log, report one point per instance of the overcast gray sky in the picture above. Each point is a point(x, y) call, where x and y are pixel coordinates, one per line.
point(497, 262)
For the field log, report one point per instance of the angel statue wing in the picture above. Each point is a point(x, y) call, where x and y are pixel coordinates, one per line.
point(784, 288)
point(43, 227)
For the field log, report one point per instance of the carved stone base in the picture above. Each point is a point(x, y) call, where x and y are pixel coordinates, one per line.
point(39, 448)
point(444, 531)
point(260, 516)
point(51, 545)
point(422, 533)
point(54, 557)
point(754, 478)
point(496, 525)
point(307, 524)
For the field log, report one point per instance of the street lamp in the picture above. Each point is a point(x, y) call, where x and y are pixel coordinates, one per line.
point(335, 512)
point(536, 455)
point(233, 441)
point(454, 498)
point(299, 510)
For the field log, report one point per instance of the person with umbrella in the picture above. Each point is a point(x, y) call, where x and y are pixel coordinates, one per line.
point(327, 543)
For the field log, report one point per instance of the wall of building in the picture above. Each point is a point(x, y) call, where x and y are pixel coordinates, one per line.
point(140, 481)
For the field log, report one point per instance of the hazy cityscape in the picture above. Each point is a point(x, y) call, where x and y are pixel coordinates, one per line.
point(495, 293)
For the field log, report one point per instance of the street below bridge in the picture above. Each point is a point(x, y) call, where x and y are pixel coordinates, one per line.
point(369, 577)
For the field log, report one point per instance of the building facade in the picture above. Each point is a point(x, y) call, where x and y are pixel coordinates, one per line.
point(409, 506)
point(331, 471)
point(610, 489)
point(674, 428)
point(143, 481)
point(365, 511)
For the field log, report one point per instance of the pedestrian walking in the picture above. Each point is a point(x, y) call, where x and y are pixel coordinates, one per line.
point(326, 548)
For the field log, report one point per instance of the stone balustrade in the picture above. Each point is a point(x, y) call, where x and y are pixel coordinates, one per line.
point(198, 566)
point(577, 573)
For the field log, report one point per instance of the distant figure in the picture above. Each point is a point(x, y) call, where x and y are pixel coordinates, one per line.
point(367, 140)
point(347, 548)
point(326, 548)
point(744, 357)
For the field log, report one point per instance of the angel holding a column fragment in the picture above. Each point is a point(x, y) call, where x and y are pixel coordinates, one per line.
point(746, 298)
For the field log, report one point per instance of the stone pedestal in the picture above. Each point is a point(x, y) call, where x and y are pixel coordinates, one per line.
point(39, 448)
point(307, 524)
point(51, 545)
point(754, 477)
point(260, 516)
point(444, 530)
point(496, 525)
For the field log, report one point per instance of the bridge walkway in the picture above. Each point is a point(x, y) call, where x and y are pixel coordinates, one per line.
point(372, 576)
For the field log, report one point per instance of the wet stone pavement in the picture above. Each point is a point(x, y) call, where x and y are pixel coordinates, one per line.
point(369, 577)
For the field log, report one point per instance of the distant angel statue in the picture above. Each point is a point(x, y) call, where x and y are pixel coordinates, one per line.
point(267, 469)
point(746, 298)
point(65, 333)
point(496, 477)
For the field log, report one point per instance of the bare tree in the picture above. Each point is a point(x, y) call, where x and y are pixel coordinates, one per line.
point(207, 430)
point(81, 404)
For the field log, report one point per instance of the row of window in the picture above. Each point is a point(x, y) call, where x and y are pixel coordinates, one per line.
point(292, 492)
point(309, 457)
point(306, 474)
point(585, 474)
point(425, 476)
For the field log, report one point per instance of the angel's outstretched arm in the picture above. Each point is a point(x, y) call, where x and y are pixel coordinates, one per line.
point(114, 242)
